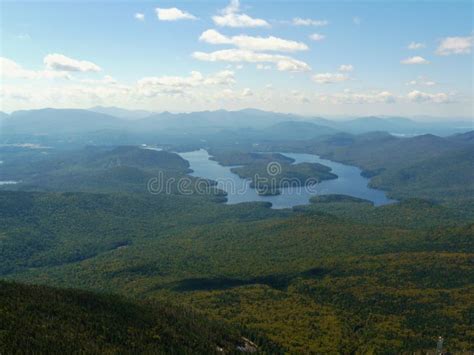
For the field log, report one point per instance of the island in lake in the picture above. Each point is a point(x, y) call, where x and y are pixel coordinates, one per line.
point(270, 172)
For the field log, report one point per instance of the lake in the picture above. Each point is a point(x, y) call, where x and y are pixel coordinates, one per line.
point(349, 182)
point(8, 182)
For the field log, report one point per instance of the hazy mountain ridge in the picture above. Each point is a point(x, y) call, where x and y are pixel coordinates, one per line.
point(122, 113)
point(56, 121)
point(59, 121)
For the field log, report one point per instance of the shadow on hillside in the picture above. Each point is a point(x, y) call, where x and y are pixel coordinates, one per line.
point(279, 281)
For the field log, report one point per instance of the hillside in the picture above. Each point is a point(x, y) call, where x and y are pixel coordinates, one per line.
point(308, 279)
point(447, 176)
point(398, 125)
point(123, 168)
point(122, 113)
point(58, 121)
point(296, 130)
point(41, 319)
point(425, 166)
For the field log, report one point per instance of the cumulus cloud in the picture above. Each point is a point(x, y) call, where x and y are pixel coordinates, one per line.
point(106, 80)
point(299, 96)
point(416, 45)
point(317, 37)
point(329, 78)
point(421, 97)
point(348, 97)
point(139, 16)
point(422, 81)
point(346, 68)
point(247, 92)
point(232, 17)
point(14, 93)
point(415, 60)
point(455, 45)
point(11, 69)
point(283, 63)
point(173, 14)
point(151, 86)
point(253, 43)
point(298, 21)
point(178, 90)
point(60, 62)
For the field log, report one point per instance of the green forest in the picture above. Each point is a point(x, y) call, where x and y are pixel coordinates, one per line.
point(132, 271)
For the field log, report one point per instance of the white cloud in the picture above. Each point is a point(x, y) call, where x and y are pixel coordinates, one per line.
point(14, 94)
point(299, 96)
point(139, 16)
point(329, 78)
point(224, 77)
point(347, 97)
point(214, 37)
point(283, 63)
point(247, 92)
point(60, 62)
point(151, 86)
point(455, 45)
point(385, 96)
point(416, 45)
point(420, 97)
point(422, 81)
point(162, 90)
point(239, 20)
point(346, 68)
point(297, 21)
point(263, 67)
point(106, 80)
point(415, 60)
point(11, 69)
point(231, 17)
point(253, 43)
point(317, 37)
point(173, 14)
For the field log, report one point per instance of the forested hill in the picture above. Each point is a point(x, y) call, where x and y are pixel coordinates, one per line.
point(60, 321)
point(424, 166)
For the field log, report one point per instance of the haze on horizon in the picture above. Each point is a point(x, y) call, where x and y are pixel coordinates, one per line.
point(315, 58)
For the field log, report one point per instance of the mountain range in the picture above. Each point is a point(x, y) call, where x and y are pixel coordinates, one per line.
point(78, 121)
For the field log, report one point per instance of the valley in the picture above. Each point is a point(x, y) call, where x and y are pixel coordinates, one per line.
point(237, 177)
point(343, 269)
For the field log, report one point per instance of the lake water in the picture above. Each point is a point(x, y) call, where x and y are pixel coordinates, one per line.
point(349, 182)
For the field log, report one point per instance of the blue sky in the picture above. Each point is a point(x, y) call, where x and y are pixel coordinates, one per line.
point(309, 57)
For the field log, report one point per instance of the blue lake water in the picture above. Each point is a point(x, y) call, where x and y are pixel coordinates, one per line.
point(349, 182)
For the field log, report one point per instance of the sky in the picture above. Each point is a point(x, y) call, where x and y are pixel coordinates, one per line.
point(324, 58)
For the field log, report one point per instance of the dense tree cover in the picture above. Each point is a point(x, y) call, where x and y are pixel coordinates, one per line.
point(48, 320)
point(336, 276)
point(424, 166)
point(325, 281)
point(269, 172)
point(231, 157)
point(409, 213)
point(101, 169)
point(267, 181)
point(337, 198)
